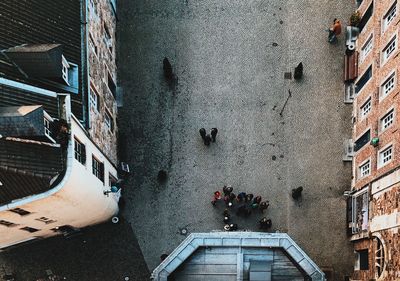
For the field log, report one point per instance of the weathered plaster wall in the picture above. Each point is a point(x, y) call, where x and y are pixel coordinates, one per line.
point(102, 63)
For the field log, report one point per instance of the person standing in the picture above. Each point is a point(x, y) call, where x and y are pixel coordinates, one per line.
point(217, 196)
point(203, 133)
point(263, 206)
point(214, 132)
point(207, 140)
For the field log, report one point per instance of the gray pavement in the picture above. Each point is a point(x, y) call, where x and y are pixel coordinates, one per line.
point(229, 58)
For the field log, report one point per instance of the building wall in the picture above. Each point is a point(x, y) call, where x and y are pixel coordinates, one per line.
point(81, 193)
point(383, 181)
point(102, 20)
point(380, 105)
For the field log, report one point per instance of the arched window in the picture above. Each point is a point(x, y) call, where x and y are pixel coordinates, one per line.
point(379, 257)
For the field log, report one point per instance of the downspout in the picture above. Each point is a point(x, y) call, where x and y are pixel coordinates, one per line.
point(85, 63)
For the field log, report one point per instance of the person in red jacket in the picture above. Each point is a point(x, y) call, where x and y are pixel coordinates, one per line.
point(335, 30)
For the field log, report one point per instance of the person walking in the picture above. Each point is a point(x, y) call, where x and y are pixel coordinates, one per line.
point(214, 132)
point(296, 192)
point(203, 133)
point(335, 31)
point(207, 140)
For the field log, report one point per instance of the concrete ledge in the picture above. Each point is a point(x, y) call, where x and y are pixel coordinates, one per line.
point(240, 239)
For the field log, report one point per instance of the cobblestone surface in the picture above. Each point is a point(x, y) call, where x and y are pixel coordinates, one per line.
point(229, 58)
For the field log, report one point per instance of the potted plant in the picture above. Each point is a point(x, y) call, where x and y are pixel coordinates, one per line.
point(355, 18)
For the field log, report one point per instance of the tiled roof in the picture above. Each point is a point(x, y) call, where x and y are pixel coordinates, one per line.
point(27, 167)
point(41, 22)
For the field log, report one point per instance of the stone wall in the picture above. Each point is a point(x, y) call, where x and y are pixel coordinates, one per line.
point(102, 69)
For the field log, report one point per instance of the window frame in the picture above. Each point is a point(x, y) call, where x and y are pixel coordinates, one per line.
point(368, 43)
point(98, 168)
point(388, 15)
point(81, 154)
point(383, 93)
point(361, 165)
point(20, 211)
point(384, 55)
point(364, 113)
point(93, 45)
point(29, 229)
point(382, 126)
point(7, 223)
point(110, 123)
point(95, 103)
point(381, 156)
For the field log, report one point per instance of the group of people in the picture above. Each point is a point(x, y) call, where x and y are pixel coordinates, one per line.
point(243, 204)
point(207, 138)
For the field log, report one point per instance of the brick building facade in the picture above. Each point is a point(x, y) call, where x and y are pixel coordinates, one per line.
point(375, 196)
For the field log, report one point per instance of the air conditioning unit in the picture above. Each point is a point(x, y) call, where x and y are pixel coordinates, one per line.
point(351, 37)
point(125, 167)
point(349, 93)
point(348, 150)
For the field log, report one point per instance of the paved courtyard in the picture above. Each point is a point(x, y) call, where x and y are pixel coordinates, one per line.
point(229, 59)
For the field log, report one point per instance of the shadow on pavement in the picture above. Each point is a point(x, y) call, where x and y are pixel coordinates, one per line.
point(106, 252)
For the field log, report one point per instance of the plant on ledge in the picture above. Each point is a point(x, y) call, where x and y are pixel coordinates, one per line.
point(355, 18)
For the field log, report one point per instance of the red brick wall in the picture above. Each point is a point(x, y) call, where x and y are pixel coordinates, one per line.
point(380, 106)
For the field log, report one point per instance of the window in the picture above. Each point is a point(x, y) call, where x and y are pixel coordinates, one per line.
point(365, 108)
point(365, 169)
point(388, 85)
point(98, 169)
point(366, 49)
point(361, 141)
point(80, 151)
point(389, 49)
point(387, 120)
point(385, 156)
point(20, 211)
point(109, 121)
point(114, 5)
point(94, 99)
point(65, 67)
point(47, 127)
point(93, 7)
point(390, 15)
point(93, 45)
point(7, 223)
point(111, 180)
point(359, 211)
point(379, 257)
point(45, 220)
point(111, 85)
point(29, 229)
point(365, 18)
point(108, 38)
point(362, 259)
point(364, 79)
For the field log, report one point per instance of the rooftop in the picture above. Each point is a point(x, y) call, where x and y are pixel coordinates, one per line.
point(224, 256)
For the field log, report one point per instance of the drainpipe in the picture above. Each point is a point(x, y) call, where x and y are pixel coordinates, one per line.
point(85, 63)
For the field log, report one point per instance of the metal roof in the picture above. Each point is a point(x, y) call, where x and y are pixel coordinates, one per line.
point(237, 256)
